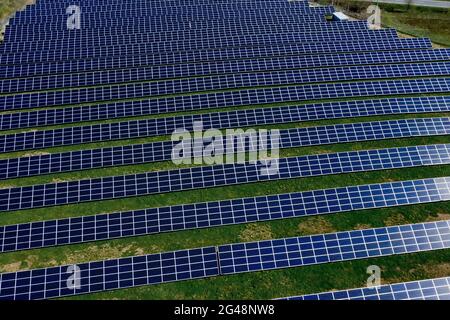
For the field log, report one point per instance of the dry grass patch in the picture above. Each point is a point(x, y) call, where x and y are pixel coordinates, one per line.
point(315, 225)
point(256, 232)
point(103, 252)
point(11, 267)
point(362, 226)
point(395, 220)
point(439, 216)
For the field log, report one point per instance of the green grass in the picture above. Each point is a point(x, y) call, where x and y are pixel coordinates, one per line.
point(419, 22)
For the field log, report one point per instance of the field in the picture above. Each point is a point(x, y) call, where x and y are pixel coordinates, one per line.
point(433, 23)
point(259, 285)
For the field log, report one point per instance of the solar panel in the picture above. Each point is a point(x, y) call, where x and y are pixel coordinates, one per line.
point(171, 3)
point(185, 8)
point(96, 12)
point(256, 96)
point(110, 274)
point(203, 14)
point(12, 35)
point(134, 64)
point(220, 120)
point(226, 259)
point(42, 234)
point(162, 8)
point(125, 90)
point(430, 289)
point(88, 45)
point(219, 54)
point(162, 151)
point(166, 27)
point(166, 23)
point(333, 247)
point(105, 188)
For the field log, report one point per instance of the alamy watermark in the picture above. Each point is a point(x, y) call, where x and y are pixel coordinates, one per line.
point(73, 22)
point(375, 15)
point(74, 280)
point(374, 280)
point(235, 146)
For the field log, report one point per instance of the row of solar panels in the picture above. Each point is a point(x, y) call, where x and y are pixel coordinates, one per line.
point(80, 71)
point(244, 143)
point(430, 289)
point(218, 213)
point(243, 97)
point(162, 24)
point(12, 37)
point(216, 54)
point(225, 260)
point(94, 6)
point(150, 183)
point(86, 45)
point(167, 24)
point(156, 89)
point(59, 22)
point(219, 120)
point(200, 13)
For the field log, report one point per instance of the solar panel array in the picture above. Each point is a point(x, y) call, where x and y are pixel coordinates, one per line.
point(212, 214)
point(212, 83)
point(259, 63)
point(224, 260)
point(220, 175)
point(162, 151)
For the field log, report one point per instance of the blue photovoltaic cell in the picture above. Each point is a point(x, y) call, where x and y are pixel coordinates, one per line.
point(226, 259)
point(220, 54)
point(162, 151)
point(107, 67)
point(12, 36)
point(86, 45)
point(105, 188)
point(110, 274)
point(211, 214)
point(429, 289)
point(253, 96)
point(124, 90)
point(333, 247)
